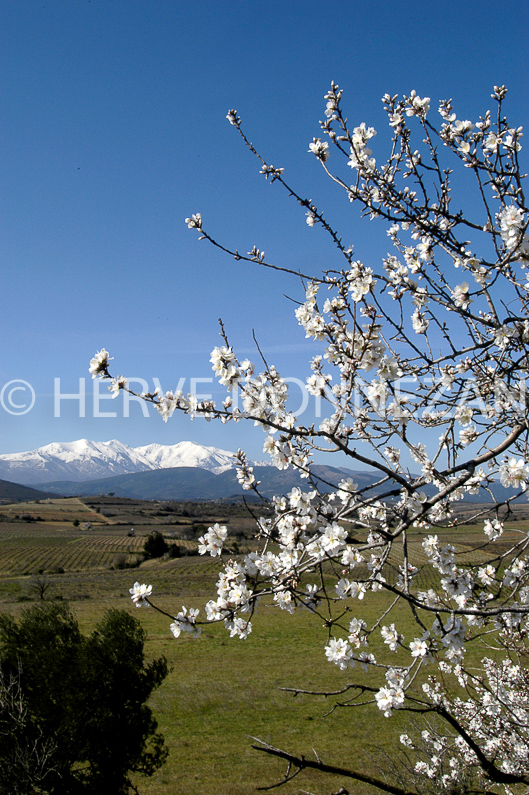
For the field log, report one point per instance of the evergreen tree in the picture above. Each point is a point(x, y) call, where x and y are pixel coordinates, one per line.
point(82, 724)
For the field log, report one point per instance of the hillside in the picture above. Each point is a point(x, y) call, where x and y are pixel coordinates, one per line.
point(193, 483)
point(14, 492)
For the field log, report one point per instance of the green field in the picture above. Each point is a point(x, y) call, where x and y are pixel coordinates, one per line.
point(221, 691)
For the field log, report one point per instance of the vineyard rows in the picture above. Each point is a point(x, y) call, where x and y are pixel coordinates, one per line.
point(71, 555)
point(27, 549)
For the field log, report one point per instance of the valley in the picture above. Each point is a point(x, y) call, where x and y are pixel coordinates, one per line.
point(89, 552)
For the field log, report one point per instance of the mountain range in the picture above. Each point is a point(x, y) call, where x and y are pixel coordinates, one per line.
point(183, 471)
point(85, 460)
point(194, 483)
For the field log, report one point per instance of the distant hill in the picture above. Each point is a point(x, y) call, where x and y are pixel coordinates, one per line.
point(194, 483)
point(14, 492)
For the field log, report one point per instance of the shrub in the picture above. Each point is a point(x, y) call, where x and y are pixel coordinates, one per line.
point(155, 545)
point(81, 722)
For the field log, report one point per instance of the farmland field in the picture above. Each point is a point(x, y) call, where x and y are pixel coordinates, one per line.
point(220, 692)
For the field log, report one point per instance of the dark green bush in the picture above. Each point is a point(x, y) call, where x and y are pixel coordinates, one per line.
point(82, 724)
point(155, 545)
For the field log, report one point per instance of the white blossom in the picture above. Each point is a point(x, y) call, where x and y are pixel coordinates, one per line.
point(390, 636)
point(319, 148)
point(195, 222)
point(140, 594)
point(185, 621)
point(513, 473)
point(511, 221)
point(339, 652)
point(461, 296)
point(417, 106)
point(99, 364)
point(213, 540)
point(117, 384)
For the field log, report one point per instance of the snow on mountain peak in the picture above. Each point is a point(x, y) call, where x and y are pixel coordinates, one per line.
point(86, 460)
point(188, 454)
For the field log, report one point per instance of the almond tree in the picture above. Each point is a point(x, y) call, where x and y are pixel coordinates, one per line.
point(420, 362)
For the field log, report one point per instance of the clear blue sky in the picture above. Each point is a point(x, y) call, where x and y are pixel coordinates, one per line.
point(113, 129)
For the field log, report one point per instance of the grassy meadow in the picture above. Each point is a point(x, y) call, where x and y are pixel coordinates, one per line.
point(221, 691)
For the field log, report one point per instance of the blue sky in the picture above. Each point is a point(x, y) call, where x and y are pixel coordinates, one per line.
point(114, 130)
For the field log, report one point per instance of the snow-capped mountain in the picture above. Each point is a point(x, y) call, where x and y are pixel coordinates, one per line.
point(85, 460)
point(187, 454)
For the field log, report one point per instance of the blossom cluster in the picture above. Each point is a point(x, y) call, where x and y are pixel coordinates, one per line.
point(420, 365)
point(186, 621)
point(213, 540)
